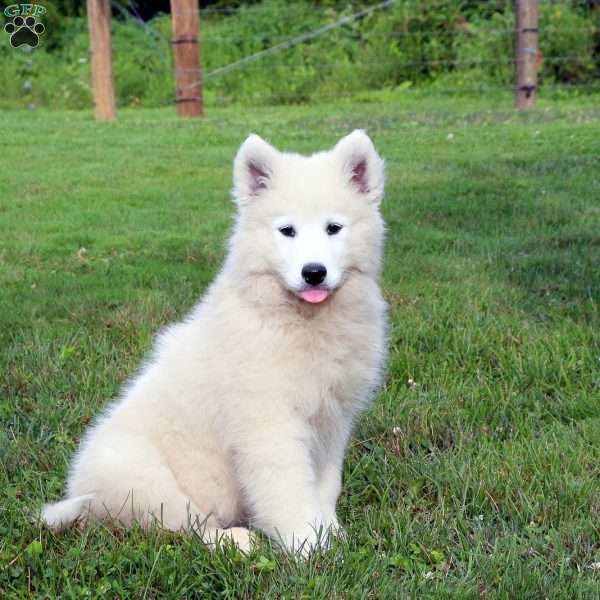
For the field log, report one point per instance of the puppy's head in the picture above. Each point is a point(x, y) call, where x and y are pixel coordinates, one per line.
point(309, 221)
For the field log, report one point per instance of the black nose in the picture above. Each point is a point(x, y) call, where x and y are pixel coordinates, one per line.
point(314, 273)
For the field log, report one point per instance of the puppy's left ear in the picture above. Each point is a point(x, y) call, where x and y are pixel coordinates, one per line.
point(362, 167)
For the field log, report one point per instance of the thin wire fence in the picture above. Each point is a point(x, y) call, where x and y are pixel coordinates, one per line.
point(349, 6)
point(402, 34)
point(278, 44)
point(305, 78)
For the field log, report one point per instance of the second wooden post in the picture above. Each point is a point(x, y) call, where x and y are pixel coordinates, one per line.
point(186, 53)
point(527, 53)
point(98, 12)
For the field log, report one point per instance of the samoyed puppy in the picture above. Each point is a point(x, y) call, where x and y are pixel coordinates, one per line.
point(240, 417)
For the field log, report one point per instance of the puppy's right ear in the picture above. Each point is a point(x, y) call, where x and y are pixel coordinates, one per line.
point(253, 169)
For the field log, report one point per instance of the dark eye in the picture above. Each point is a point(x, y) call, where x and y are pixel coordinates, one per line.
point(288, 231)
point(333, 228)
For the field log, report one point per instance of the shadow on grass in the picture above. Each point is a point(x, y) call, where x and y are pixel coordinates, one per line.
point(529, 223)
point(561, 267)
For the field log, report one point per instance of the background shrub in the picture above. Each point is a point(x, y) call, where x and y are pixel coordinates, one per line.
point(448, 44)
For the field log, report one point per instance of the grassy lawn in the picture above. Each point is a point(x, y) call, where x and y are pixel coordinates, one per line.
point(476, 474)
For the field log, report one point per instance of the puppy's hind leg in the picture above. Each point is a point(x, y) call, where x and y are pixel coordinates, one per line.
point(129, 481)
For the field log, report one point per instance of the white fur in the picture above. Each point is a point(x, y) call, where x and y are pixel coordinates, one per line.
point(243, 412)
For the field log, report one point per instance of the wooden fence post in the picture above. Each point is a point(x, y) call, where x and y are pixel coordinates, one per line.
point(186, 52)
point(98, 12)
point(527, 53)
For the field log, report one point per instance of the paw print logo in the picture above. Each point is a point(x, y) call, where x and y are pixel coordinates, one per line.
point(24, 31)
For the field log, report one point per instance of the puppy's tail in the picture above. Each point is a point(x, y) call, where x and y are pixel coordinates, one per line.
point(62, 514)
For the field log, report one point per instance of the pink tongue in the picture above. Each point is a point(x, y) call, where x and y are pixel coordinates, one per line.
point(314, 296)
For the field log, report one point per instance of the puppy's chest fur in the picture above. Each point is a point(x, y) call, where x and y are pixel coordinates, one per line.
point(340, 371)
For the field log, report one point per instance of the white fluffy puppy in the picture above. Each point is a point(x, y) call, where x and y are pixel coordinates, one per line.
point(241, 416)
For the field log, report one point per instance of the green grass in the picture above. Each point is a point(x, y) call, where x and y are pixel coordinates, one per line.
point(481, 480)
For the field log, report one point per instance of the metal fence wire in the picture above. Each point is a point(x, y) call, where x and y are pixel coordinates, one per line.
point(302, 79)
